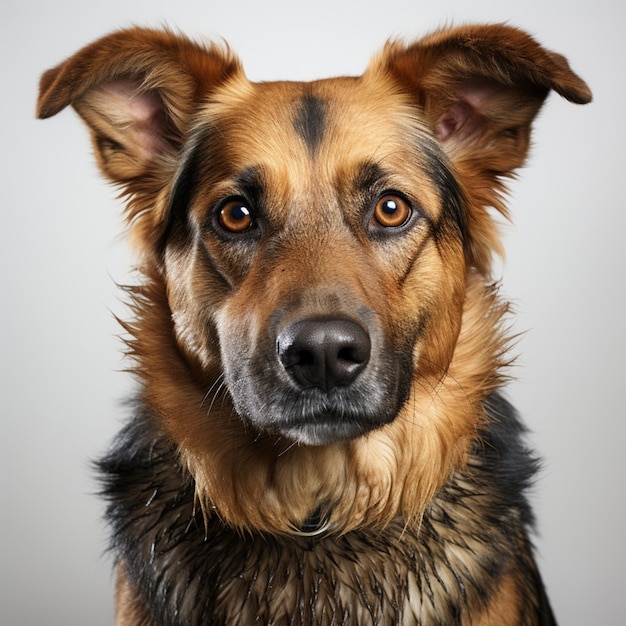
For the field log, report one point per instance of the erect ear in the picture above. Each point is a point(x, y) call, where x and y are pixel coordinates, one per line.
point(480, 88)
point(137, 90)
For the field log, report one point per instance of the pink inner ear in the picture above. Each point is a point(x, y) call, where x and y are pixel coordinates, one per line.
point(473, 100)
point(142, 113)
point(453, 120)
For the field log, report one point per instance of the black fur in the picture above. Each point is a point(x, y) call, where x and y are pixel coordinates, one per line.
point(454, 218)
point(310, 121)
point(177, 227)
point(192, 570)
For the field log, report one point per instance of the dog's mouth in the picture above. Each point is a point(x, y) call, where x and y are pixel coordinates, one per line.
point(316, 418)
point(326, 380)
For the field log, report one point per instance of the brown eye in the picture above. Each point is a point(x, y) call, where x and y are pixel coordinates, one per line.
point(235, 216)
point(392, 211)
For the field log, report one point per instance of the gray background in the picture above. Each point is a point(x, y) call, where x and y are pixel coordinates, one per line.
point(61, 383)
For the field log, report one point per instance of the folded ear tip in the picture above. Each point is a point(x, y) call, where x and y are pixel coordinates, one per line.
point(47, 105)
point(566, 82)
point(578, 92)
point(44, 110)
point(582, 94)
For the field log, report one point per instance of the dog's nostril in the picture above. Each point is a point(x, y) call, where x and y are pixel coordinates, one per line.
point(349, 354)
point(305, 358)
point(324, 352)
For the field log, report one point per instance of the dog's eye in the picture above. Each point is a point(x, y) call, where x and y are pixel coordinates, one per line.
point(392, 211)
point(235, 216)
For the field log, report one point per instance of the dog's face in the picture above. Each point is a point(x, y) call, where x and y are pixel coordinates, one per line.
point(322, 255)
point(317, 330)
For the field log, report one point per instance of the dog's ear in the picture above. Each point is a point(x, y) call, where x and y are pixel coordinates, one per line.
point(480, 88)
point(137, 90)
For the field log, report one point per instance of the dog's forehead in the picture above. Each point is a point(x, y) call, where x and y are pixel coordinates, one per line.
point(322, 121)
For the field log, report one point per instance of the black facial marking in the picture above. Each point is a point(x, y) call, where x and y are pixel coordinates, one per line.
point(182, 193)
point(368, 176)
point(453, 214)
point(252, 185)
point(310, 120)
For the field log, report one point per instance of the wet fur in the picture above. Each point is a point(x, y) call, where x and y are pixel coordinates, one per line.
point(239, 493)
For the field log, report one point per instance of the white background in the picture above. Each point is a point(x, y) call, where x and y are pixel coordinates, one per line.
point(61, 384)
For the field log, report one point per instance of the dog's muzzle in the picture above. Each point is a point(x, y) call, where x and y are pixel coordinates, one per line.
point(319, 379)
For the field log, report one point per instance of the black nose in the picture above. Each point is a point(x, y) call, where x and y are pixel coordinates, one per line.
point(323, 352)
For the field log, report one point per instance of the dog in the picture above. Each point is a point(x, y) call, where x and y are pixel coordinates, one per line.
point(320, 434)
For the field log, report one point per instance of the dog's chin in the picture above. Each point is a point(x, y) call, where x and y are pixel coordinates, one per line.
point(324, 434)
point(322, 430)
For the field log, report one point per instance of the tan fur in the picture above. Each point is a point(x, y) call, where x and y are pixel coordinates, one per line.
point(461, 100)
point(130, 610)
point(504, 608)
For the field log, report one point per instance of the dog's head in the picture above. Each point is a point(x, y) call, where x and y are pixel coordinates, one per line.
point(319, 251)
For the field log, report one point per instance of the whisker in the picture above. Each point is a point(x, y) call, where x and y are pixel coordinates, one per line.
point(289, 447)
point(219, 381)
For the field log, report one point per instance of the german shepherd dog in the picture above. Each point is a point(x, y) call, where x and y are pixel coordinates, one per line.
point(319, 435)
